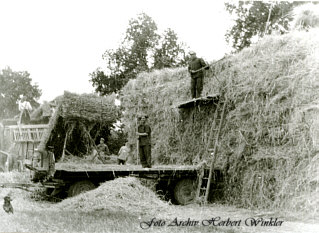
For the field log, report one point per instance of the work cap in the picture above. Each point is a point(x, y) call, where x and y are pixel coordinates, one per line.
point(192, 53)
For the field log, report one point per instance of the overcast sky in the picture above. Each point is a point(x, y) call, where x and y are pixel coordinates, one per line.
point(60, 42)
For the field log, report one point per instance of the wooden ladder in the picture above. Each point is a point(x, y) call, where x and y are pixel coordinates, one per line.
point(205, 176)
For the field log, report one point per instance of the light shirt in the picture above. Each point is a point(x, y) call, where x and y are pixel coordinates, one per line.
point(25, 105)
point(124, 153)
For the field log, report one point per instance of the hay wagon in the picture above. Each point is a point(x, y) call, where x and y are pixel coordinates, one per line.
point(178, 183)
point(83, 114)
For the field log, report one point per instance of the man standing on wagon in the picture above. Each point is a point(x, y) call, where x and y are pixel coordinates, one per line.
point(196, 68)
point(25, 110)
point(144, 141)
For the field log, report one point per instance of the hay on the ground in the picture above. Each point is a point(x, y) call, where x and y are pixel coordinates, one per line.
point(122, 194)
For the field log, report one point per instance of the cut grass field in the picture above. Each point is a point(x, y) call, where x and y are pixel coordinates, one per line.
point(101, 211)
point(97, 221)
point(47, 218)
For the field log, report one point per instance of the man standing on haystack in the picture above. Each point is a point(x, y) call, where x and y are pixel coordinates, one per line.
point(196, 68)
point(144, 142)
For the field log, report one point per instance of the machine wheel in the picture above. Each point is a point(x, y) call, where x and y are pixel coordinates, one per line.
point(185, 191)
point(80, 187)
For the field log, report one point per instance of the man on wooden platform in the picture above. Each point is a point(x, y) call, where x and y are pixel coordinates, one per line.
point(196, 68)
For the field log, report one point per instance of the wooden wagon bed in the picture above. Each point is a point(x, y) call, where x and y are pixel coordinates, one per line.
point(115, 167)
point(103, 172)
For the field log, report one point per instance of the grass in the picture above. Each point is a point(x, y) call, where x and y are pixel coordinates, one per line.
point(116, 206)
point(96, 221)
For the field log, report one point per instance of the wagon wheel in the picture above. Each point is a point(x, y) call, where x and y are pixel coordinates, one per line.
point(185, 191)
point(80, 187)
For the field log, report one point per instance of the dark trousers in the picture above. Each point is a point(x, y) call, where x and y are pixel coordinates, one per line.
point(196, 86)
point(120, 161)
point(145, 155)
point(25, 117)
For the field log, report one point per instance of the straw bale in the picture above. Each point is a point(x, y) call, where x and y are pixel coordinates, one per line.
point(121, 194)
point(269, 136)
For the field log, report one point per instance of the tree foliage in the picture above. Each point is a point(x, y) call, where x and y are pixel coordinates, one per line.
point(142, 49)
point(141, 37)
point(14, 84)
point(169, 53)
point(306, 16)
point(257, 18)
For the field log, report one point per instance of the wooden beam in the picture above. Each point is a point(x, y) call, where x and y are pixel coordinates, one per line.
point(199, 101)
point(64, 147)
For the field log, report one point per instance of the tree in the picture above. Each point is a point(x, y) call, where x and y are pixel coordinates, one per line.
point(140, 38)
point(14, 84)
point(142, 49)
point(170, 53)
point(129, 59)
point(257, 18)
point(306, 16)
point(107, 84)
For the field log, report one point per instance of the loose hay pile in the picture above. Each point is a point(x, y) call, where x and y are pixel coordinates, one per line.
point(121, 194)
point(14, 177)
point(270, 138)
point(21, 198)
point(90, 107)
point(77, 122)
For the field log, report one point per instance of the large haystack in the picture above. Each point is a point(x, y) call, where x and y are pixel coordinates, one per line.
point(270, 139)
point(306, 16)
point(77, 122)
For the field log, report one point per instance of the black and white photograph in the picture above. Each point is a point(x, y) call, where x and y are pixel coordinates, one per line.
point(159, 116)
